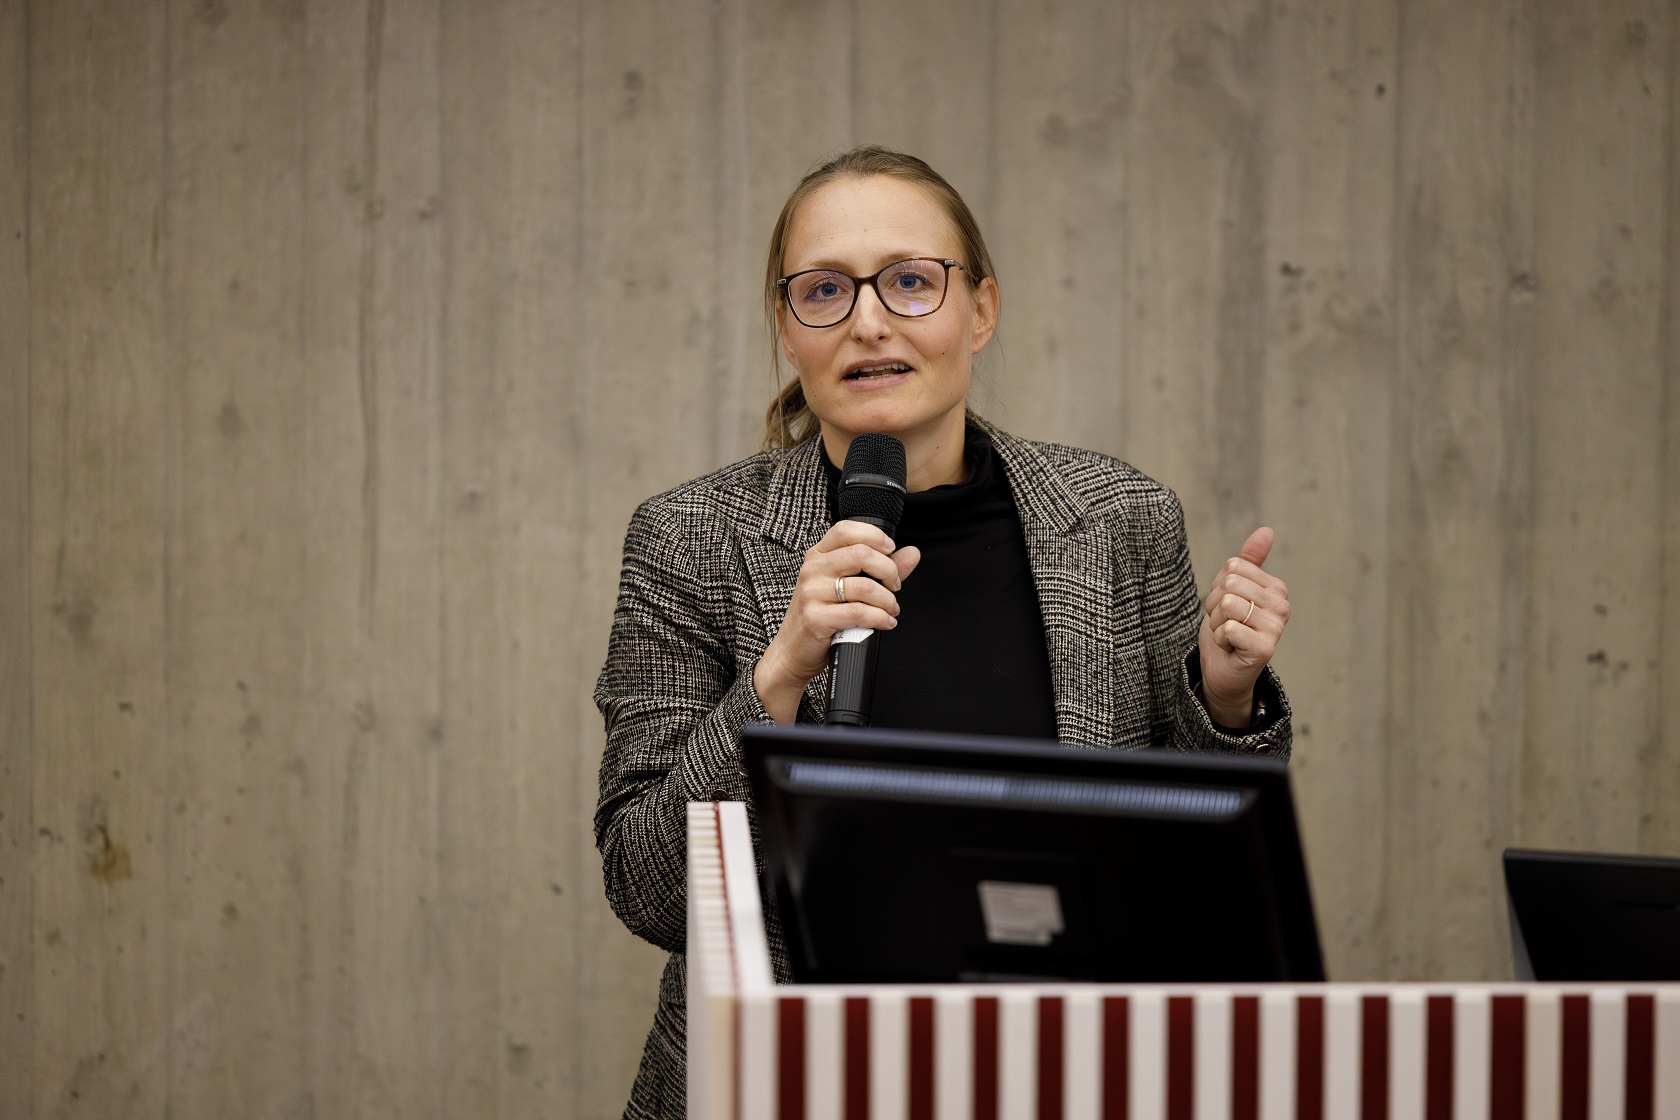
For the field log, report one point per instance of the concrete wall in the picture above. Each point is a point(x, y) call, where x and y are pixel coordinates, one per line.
point(338, 339)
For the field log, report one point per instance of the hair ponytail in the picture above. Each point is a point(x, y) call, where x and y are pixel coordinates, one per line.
point(789, 421)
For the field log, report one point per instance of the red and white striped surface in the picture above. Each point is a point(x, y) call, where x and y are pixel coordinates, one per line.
point(1376, 1052)
point(1048, 1052)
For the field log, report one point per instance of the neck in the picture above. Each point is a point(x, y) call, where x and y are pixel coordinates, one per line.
point(933, 454)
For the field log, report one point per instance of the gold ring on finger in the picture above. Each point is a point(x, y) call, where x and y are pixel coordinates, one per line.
point(1250, 613)
point(839, 589)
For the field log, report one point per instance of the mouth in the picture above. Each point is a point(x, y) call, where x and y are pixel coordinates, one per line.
point(876, 370)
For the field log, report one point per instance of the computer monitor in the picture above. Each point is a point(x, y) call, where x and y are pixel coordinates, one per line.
point(896, 856)
point(1580, 917)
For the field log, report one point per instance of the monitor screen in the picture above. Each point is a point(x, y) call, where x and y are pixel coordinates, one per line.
point(1576, 916)
point(896, 856)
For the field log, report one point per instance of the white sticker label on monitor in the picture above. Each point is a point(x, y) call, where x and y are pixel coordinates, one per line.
point(1020, 913)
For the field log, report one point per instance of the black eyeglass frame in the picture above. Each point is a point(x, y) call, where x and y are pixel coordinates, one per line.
point(859, 281)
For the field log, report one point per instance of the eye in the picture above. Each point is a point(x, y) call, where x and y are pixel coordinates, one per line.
point(822, 287)
point(913, 278)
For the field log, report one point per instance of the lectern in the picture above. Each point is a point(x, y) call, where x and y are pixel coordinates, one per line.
point(1027, 1051)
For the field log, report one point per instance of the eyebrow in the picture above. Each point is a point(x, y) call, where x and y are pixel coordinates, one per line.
point(830, 264)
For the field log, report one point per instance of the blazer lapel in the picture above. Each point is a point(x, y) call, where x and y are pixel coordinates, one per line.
point(795, 518)
point(1071, 553)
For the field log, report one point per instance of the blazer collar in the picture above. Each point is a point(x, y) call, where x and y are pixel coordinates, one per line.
point(1041, 493)
point(796, 512)
point(795, 518)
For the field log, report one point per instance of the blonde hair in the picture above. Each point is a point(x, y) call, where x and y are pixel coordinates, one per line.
point(789, 421)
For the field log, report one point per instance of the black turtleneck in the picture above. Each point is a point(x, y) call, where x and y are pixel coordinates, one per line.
point(968, 654)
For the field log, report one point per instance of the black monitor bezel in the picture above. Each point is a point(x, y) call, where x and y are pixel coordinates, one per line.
point(1292, 924)
point(1575, 888)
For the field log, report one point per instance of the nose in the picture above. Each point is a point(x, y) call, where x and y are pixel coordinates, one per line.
point(870, 318)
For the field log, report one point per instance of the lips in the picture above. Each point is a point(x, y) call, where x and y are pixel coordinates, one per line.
point(877, 369)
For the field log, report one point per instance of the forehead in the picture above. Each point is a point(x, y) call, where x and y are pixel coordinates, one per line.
point(860, 224)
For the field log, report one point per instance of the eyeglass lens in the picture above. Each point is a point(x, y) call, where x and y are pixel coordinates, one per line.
point(910, 288)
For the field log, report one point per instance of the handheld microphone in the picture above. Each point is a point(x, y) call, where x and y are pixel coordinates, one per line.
point(871, 491)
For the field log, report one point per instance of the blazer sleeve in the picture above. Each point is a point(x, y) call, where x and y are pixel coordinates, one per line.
point(1174, 618)
point(674, 705)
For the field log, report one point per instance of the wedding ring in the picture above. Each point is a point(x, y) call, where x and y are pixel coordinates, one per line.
point(1250, 613)
point(839, 589)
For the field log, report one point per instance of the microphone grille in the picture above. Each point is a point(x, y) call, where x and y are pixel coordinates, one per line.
point(872, 482)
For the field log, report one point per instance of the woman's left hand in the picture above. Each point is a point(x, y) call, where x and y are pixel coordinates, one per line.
point(1243, 619)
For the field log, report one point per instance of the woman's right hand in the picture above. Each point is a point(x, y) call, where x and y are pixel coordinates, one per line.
point(850, 550)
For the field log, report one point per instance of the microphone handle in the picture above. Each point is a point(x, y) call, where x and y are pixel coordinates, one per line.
point(851, 678)
point(851, 665)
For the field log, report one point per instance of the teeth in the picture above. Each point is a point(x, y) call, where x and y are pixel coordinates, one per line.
point(890, 367)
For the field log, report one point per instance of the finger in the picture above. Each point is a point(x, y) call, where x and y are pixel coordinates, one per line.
point(1231, 608)
point(1271, 610)
point(1237, 566)
point(1258, 546)
point(843, 533)
point(834, 617)
point(1217, 635)
point(858, 589)
point(1254, 646)
point(905, 560)
point(1263, 595)
point(1268, 591)
point(1234, 610)
point(858, 559)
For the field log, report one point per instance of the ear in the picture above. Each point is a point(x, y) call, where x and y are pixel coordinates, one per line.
point(781, 335)
point(987, 304)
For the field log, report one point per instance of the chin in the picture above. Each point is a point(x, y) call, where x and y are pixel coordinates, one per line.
point(886, 416)
point(901, 412)
point(887, 422)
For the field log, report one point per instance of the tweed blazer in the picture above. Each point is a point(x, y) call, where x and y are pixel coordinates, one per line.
point(709, 570)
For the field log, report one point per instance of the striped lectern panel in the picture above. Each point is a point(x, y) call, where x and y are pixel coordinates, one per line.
point(1045, 1052)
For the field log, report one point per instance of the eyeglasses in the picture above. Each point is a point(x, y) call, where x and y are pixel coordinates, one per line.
point(910, 288)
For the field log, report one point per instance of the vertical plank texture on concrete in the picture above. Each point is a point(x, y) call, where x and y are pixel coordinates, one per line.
point(1195, 261)
point(1058, 233)
point(17, 665)
point(107, 1024)
point(1324, 426)
point(371, 731)
point(520, 856)
point(1661, 833)
point(791, 101)
point(1594, 677)
point(1460, 512)
point(644, 376)
point(734, 416)
point(233, 291)
point(923, 81)
point(401, 911)
point(334, 717)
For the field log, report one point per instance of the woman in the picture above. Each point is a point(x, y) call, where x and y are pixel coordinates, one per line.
point(1036, 590)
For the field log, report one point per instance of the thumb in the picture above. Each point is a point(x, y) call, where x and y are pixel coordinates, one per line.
point(1258, 546)
point(907, 558)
